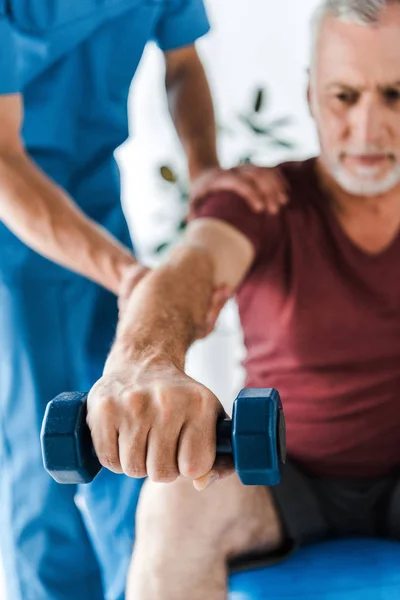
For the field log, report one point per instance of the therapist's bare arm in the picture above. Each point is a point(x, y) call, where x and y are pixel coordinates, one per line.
point(191, 108)
point(192, 111)
point(147, 417)
point(45, 218)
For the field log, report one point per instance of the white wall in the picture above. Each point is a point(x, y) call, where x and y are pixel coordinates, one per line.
point(254, 42)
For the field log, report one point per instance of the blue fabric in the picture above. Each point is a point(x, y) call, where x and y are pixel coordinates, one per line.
point(74, 65)
point(182, 23)
point(8, 59)
point(357, 569)
point(75, 83)
point(57, 337)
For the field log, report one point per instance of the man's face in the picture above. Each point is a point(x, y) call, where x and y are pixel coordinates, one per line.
point(355, 100)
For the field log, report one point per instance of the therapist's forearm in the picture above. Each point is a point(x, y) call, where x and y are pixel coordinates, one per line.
point(43, 216)
point(192, 111)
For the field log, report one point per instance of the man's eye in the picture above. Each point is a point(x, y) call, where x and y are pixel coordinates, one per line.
point(392, 95)
point(347, 98)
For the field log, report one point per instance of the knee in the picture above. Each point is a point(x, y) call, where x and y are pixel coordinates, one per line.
point(173, 506)
point(228, 515)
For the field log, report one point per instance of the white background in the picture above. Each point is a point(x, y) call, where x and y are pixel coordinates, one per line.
point(253, 43)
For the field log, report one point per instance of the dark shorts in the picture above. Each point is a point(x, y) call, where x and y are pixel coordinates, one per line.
point(313, 509)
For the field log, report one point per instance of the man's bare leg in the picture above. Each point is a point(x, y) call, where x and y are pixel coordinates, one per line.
point(185, 538)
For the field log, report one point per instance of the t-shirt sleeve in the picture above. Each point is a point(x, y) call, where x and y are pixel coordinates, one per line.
point(182, 24)
point(234, 210)
point(8, 57)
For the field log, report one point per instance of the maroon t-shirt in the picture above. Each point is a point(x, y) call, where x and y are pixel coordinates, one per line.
point(321, 321)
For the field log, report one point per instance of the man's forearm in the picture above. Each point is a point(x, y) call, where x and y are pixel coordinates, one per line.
point(192, 111)
point(42, 215)
point(165, 311)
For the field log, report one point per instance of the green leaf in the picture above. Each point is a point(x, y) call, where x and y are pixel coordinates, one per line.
point(182, 225)
point(255, 128)
point(168, 174)
point(162, 247)
point(183, 192)
point(281, 122)
point(259, 100)
point(283, 144)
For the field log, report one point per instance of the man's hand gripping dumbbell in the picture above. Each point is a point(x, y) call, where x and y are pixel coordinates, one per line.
point(162, 436)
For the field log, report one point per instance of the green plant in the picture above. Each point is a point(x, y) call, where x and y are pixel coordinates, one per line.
point(257, 135)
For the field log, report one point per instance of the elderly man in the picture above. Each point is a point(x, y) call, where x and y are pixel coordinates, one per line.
point(318, 289)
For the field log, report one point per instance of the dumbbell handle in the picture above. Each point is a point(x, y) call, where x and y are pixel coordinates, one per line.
point(224, 436)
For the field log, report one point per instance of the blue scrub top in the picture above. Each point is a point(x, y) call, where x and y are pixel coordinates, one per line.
point(73, 61)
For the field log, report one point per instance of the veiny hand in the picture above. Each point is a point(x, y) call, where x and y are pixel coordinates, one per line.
point(264, 188)
point(148, 418)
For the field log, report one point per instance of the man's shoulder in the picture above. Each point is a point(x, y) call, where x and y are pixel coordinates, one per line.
point(299, 172)
point(302, 183)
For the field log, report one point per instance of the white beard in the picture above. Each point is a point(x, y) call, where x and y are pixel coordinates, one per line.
point(365, 183)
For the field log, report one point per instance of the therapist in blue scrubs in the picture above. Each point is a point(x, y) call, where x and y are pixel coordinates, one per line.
point(65, 71)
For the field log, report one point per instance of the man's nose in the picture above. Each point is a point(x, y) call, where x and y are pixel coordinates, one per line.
point(368, 125)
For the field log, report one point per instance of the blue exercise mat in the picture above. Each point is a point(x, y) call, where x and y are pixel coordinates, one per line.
point(354, 569)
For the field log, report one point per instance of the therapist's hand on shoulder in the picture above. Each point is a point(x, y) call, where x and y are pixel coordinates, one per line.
point(264, 188)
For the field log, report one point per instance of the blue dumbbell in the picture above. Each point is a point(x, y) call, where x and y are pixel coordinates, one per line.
point(255, 436)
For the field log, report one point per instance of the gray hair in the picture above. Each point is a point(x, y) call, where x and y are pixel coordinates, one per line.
point(364, 12)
